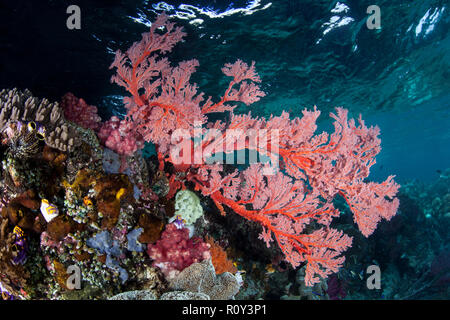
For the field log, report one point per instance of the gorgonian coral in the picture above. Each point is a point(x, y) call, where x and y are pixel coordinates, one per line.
point(293, 205)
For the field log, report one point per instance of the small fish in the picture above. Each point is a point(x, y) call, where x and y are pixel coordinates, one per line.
point(18, 231)
point(40, 133)
point(19, 246)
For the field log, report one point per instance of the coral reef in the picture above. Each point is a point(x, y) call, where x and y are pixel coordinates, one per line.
point(80, 201)
point(167, 110)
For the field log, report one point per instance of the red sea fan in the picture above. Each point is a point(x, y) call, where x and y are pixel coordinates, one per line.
point(285, 208)
point(163, 99)
point(324, 166)
point(294, 206)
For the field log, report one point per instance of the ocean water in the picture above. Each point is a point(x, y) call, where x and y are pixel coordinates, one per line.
point(307, 53)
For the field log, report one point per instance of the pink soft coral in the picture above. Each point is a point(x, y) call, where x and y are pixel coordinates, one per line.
point(120, 136)
point(175, 251)
point(78, 111)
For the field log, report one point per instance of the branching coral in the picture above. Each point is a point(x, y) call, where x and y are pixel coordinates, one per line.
point(293, 206)
point(22, 106)
point(169, 101)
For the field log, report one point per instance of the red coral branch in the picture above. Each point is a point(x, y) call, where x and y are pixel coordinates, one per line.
point(284, 208)
point(294, 207)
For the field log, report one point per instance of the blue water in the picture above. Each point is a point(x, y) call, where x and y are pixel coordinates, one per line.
point(322, 53)
point(307, 53)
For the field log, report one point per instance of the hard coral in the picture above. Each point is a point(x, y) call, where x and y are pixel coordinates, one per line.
point(175, 251)
point(201, 277)
point(18, 105)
